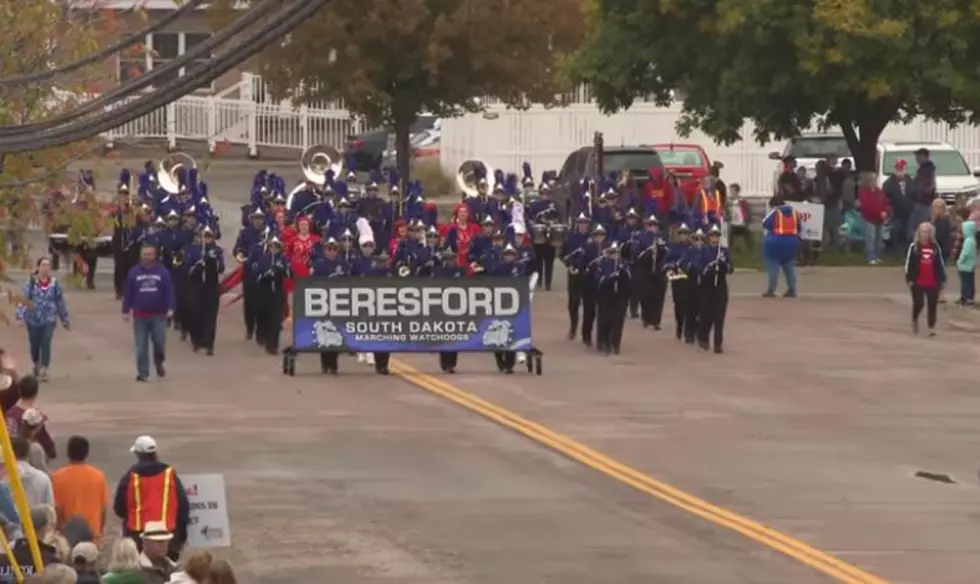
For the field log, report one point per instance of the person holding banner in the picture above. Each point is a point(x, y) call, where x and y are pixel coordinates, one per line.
point(331, 265)
point(507, 267)
point(779, 246)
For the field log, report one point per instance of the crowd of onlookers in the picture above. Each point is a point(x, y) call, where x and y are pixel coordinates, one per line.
point(70, 508)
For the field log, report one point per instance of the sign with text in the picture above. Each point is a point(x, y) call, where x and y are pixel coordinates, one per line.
point(208, 526)
point(412, 314)
point(811, 220)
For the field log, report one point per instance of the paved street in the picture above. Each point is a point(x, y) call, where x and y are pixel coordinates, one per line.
point(813, 422)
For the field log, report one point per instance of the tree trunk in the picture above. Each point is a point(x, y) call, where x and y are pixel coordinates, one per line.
point(863, 146)
point(404, 118)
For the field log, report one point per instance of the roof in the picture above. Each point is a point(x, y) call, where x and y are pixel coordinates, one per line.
point(915, 146)
point(153, 5)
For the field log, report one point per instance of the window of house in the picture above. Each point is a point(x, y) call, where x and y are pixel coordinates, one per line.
point(166, 46)
point(192, 40)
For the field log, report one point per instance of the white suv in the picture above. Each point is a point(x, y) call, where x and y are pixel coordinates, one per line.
point(953, 175)
point(808, 149)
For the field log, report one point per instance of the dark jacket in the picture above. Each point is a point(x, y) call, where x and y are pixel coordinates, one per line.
point(148, 291)
point(902, 203)
point(151, 469)
point(22, 553)
point(912, 260)
point(944, 236)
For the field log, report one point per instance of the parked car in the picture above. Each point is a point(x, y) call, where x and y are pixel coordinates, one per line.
point(369, 148)
point(953, 175)
point(581, 165)
point(688, 162)
point(808, 149)
point(424, 145)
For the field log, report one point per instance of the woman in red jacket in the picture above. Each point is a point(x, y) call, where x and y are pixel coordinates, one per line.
point(460, 234)
point(299, 249)
point(925, 273)
point(875, 210)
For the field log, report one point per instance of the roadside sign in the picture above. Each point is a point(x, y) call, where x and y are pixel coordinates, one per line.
point(208, 526)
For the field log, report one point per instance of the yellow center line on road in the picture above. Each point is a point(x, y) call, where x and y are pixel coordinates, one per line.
point(794, 548)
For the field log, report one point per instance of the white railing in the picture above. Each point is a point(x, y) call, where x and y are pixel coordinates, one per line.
point(247, 115)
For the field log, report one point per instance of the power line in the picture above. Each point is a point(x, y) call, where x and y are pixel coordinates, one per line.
point(129, 88)
point(137, 37)
point(285, 21)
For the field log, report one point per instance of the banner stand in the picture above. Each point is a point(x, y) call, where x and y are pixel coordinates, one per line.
point(412, 315)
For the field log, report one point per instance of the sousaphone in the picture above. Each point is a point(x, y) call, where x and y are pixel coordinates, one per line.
point(315, 162)
point(167, 172)
point(468, 173)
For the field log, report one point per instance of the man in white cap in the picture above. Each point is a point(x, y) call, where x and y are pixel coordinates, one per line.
point(151, 492)
point(156, 566)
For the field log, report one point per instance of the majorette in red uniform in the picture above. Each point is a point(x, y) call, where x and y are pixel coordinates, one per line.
point(401, 232)
point(460, 232)
point(658, 194)
point(298, 250)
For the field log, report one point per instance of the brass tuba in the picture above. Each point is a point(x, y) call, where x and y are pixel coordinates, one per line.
point(167, 172)
point(469, 170)
point(317, 160)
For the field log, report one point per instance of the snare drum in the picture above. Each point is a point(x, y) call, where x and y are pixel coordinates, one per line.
point(101, 245)
point(556, 235)
point(539, 233)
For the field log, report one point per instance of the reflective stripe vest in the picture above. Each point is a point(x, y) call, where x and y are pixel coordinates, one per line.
point(152, 498)
point(709, 204)
point(787, 225)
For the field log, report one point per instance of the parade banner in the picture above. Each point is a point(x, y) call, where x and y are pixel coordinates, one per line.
point(412, 314)
point(811, 220)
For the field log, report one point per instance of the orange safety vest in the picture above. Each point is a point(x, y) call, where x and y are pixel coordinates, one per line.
point(151, 498)
point(710, 204)
point(787, 225)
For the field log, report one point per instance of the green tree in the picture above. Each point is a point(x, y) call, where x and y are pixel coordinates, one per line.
point(787, 64)
point(389, 60)
point(38, 35)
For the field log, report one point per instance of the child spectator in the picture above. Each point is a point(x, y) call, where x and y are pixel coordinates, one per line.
point(966, 263)
point(15, 415)
point(740, 218)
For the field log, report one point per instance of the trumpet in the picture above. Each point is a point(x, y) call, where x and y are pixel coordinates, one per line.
point(178, 258)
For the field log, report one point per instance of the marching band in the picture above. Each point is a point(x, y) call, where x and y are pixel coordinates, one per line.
point(610, 237)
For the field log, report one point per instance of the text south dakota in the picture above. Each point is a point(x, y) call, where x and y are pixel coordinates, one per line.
point(417, 327)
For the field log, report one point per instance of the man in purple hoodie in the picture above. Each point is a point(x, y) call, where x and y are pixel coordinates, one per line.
point(148, 296)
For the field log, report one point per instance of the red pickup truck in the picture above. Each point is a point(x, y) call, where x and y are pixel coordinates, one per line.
point(688, 162)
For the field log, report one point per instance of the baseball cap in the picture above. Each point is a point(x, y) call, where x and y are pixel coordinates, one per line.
point(901, 164)
point(33, 417)
point(85, 551)
point(144, 445)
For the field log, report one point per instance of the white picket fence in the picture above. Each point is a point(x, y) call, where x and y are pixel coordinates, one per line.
point(246, 115)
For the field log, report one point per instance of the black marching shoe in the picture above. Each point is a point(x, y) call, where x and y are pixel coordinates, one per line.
point(381, 370)
point(209, 351)
point(571, 335)
point(509, 371)
point(195, 348)
point(141, 379)
point(656, 327)
point(718, 350)
point(587, 342)
point(704, 346)
point(615, 351)
point(248, 336)
point(272, 350)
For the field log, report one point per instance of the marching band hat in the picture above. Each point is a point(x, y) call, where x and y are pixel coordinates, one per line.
point(699, 233)
point(160, 220)
point(632, 213)
point(393, 189)
point(343, 202)
point(366, 240)
point(145, 207)
point(683, 228)
point(482, 181)
point(599, 229)
point(544, 188)
point(487, 221)
point(583, 218)
point(347, 234)
point(350, 174)
point(498, 234)
point(414, 225)
point(613, 248)
point(207, 230)
point(611, 192)
point(373, 186)
point(652, 220)
point(280, 200)
point(330, 242)
point(498, 188)
point(275, 240)
point(432, 230)
point(203, 201)
point(173, 214)
point(258, 212)
point(509, 249)
point(190, 210)
point(715, 230)
point(123, 188)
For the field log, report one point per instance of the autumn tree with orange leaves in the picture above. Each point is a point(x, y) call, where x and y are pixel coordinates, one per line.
point(389, 60)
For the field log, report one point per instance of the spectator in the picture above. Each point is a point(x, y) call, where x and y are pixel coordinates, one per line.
point(81, 490)
point(740, 215)
point(900, 191)
point(221, 573)
point(942, 228)
point(15, 415)
point(22, 552)
point(788, 185)
point(124, 564)
point(41, 306)
point(925, 186)
point(874, 210)
point(31, 425)
point(925, 273)
point(848, 191)
point(9, 382)
point(966, 263)
point(197, 569)
point(806, 184)
point(151, 480)
point(149, 296)
point(84, 557)
point(156, 566)
point(59, 574)
point(37, 484)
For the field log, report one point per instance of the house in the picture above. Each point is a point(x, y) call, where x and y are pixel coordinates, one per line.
point(173, 41)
